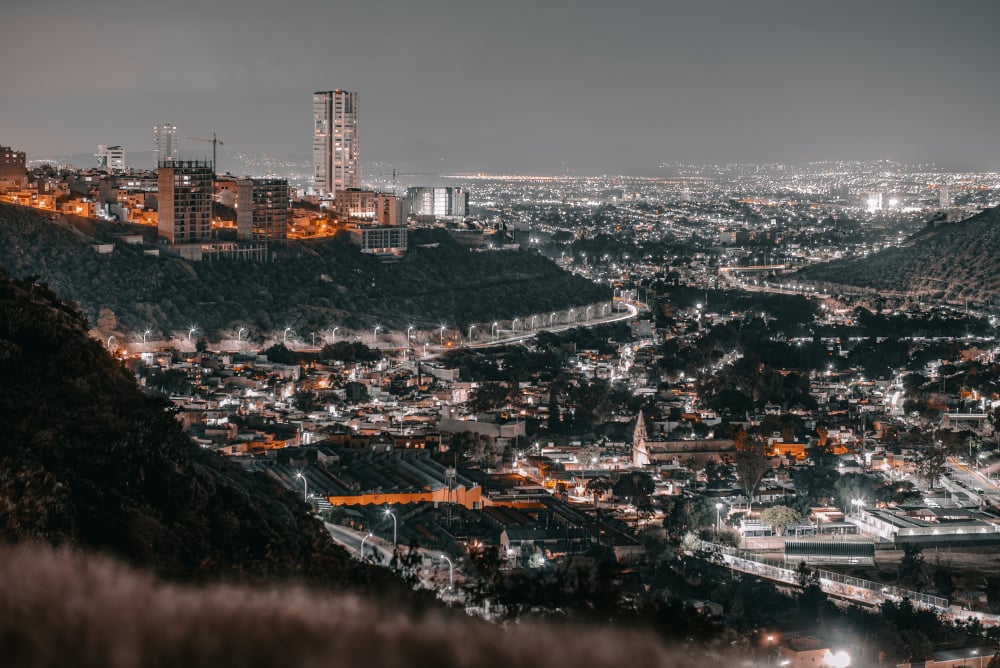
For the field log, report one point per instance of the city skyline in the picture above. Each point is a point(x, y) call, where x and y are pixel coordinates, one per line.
point(547, 89)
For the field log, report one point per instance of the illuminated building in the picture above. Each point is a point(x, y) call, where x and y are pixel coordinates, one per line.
point(368, 205)
point(262, 209)
point(335, 141)
point(110, 158)
point(164, 143)
point(12, 168)
point(444, 202)
point(184, 195)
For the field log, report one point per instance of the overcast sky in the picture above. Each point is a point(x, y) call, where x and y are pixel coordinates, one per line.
point(515, 85)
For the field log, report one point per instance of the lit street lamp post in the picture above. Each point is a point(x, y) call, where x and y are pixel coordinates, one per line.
point(718, 519)
point(284, 335)
point(361, 549)
point(375, 334)
point(144, 335)
point(239, 334)
point(110, 339)
point(389, 513)
point(441, 331)
point(408, 330)
point(305, 486)
point(451, 572)
point(190, 332)
point(335, 334)
point(471, 328)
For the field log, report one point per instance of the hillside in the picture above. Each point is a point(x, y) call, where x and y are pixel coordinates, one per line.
point(950, 262)
point(87, 460)
point(311, 286)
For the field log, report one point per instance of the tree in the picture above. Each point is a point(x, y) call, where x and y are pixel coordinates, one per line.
point(781, 517)
point(911, 565)
point(751, 464)
point(932, 462)
point(636, 486)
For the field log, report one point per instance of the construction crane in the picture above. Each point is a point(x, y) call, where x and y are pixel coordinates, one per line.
point(394, 174)
point(213, 141)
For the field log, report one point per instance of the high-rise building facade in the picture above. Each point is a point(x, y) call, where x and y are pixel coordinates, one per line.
point(262, 209)
point(110, 158)
point(184, 196)
point(165, 143)
point(12, 168)
point(444, 202)
point(335, 141)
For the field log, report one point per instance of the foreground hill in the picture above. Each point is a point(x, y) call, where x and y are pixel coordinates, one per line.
point(950, 262)
point(88, 460)
point(59, 609)
point(310, 286)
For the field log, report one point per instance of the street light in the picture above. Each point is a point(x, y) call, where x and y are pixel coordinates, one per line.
point(110, 339)
point(533, 319)
point(389, 513)
point(408, 330)
point(471, 327)
point(451, 572)
point(144, 335)
point(305, 486)
point(191, 331)
point(239, 334)
point(718, 519)
point(975, 652)
point(335, 334)
point(284, 335)
point(495, 331)
point(552, 318)
point(362, 548)
point(375, 334)
point(442, 334)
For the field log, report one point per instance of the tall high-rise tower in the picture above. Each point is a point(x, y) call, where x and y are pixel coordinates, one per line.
point(164, 143)
point(335, 141)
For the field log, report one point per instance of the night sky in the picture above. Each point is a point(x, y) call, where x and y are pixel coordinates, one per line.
point(526, 86)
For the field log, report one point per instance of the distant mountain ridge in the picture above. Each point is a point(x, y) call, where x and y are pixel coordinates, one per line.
point(310, 287)
point(947, 262)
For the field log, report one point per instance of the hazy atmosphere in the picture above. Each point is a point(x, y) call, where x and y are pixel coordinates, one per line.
point(529, 87)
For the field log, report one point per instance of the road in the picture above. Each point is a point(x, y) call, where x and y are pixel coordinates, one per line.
point(433, 573)
point(967, 482)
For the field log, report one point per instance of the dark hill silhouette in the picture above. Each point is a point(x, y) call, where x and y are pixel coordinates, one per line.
point(311, 286)
point(950, 262)
point(87, 460)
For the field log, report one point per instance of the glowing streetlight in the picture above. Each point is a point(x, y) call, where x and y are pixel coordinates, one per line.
point(239, 334)
point(588, 312)
point(441, 332)
point(408, 330)
point(975, 652)
point(569, 316)
point(495, 331)
point(389, 513)
point(191, 331)
point(375, 332)
point(533, 319)
point(284, 335)
point(471, 328)
point(110, 339)
point(361, 549)
point(335, 329)
point(144, 335)
point(552, 318)
point(718, 518)
point(305, 486)
point(451, 572)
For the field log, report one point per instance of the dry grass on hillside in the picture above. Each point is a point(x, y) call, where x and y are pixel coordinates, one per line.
point(63, 608)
